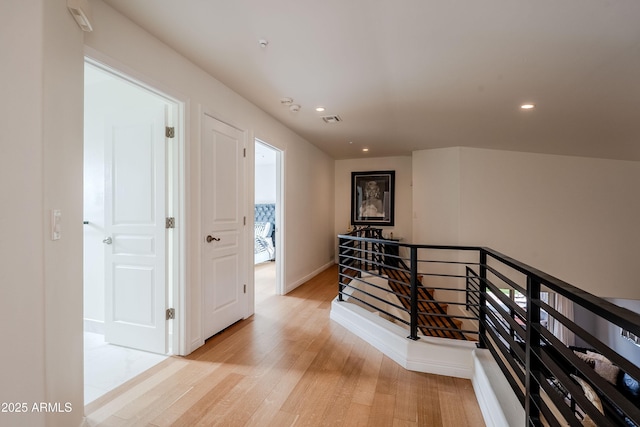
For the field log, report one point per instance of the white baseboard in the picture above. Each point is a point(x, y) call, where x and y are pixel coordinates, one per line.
point(292, 286)
point(94, 326)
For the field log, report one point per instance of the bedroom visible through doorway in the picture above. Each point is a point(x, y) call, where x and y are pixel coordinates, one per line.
point(268, 251)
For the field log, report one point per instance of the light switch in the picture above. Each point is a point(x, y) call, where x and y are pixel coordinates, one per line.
point(56, 216)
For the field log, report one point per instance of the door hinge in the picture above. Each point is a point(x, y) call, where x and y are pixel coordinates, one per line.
point(170, 131)
point(244, 152)
point(170, 222)
point(245, 289)
point(244, 220)
point(171, 313)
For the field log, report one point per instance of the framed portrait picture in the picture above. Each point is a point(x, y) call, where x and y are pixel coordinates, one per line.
point(372, 197)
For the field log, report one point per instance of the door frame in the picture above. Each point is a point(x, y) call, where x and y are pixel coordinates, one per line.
point(175, 262)
point(280, 229)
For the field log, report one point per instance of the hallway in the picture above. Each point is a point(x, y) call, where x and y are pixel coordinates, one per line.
point(288, 364)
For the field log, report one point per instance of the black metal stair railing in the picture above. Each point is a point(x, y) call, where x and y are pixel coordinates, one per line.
point(512, 310)
point(364, 261)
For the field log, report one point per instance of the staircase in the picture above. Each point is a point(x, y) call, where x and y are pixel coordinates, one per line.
point(361, 256)
point(432, 320)
point(432, 315)
point(382, 279)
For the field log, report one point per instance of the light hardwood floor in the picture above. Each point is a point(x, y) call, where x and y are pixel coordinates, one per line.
point(289, 364)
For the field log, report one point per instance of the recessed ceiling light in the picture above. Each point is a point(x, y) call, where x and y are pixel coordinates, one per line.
point(286, 101)
point(319, 109)
point(527, 106)
point(365, 149)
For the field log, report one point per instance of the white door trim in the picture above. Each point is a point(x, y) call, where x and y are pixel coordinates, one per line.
point(176, 205)
point(281, 288)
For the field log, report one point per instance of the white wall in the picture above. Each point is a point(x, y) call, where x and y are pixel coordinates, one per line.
point(308, 209)
point(574, 218)
point(41, 169)
point(62, 112)
point(403, 197)
point(22, 225)
point(436, 215)
point(436, 196)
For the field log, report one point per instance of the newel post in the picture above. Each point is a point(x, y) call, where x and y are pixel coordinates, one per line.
point(532, 356)
point(482, 316)
point(341, 261)
point(413, 334)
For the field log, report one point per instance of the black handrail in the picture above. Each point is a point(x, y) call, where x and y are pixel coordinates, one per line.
point(541, 369)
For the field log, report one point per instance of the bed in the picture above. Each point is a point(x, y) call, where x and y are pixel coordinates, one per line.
point(264, 249)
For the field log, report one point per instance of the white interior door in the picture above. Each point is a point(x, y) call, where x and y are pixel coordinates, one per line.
point(223, 240)
point(135, 242)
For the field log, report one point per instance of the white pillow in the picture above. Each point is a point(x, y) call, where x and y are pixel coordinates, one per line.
point(589, 393)
point(597, 356)
point(585, 358)
point(607, 370)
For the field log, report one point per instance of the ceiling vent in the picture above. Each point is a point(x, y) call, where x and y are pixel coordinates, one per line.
point(331, 119)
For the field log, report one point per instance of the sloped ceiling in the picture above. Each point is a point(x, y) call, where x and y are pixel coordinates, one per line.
point(414, 74)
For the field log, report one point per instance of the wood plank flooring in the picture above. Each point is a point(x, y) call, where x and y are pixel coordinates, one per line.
point(287, 365)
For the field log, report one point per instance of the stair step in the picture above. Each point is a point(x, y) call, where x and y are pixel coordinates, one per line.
point(426, 304)
point(350, 274)
point(436, 320)
point(431, 307)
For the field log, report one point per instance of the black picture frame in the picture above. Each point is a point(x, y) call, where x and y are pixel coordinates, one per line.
point(373, 198)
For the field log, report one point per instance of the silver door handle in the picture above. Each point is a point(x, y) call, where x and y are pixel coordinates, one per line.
point(210, 239)
point(107, 241)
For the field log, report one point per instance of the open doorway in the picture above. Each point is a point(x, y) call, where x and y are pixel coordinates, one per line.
point(269, 230)
point(131, 249)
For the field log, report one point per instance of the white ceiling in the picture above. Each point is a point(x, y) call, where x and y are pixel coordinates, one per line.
point(414, 74)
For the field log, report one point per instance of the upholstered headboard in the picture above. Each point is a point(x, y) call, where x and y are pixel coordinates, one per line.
point(266, 212)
